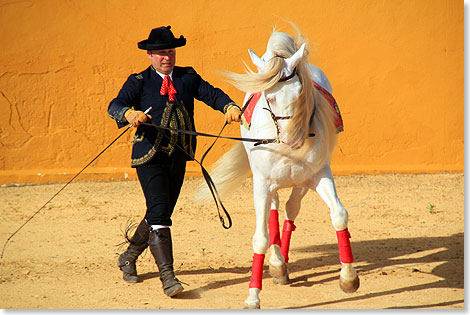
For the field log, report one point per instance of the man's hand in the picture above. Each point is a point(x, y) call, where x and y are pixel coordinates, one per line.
point(135, 117)
point(233, 114)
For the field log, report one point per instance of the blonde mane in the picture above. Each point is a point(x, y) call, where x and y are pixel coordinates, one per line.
point(282, 46)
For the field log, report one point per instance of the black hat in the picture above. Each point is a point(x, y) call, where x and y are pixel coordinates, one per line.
point(161, 38)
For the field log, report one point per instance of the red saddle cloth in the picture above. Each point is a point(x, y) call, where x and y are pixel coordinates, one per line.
point(338, 119)
point(249, 107)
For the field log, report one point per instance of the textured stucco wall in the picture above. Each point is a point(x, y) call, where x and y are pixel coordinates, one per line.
point(397, 70)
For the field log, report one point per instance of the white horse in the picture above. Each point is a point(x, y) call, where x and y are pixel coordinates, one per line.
point(291, 109)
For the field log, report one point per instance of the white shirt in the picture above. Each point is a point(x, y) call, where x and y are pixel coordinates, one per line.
point(164, 75)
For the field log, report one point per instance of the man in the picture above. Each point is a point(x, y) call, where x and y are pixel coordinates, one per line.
point(166, 93)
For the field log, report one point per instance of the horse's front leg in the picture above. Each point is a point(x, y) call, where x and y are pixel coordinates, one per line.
point(262, 201)
point(325, 186)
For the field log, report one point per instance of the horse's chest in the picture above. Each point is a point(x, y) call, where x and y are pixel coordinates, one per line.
point(284, 172)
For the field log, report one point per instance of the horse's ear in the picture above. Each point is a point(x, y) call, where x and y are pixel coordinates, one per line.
point(257, 61)
point(293, 60)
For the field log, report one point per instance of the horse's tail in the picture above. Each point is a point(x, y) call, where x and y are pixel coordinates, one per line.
point(229, 172)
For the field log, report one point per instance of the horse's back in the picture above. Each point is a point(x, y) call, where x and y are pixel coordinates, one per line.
point(319, 77)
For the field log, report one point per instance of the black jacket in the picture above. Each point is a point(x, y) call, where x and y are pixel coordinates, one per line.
point(142, 91)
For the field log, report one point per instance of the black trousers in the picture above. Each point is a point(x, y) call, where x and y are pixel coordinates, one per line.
point(161, 180)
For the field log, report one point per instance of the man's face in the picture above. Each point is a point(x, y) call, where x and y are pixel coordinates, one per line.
point(163, 60)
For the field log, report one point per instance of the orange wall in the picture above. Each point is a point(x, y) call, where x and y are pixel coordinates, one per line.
point(397, 70)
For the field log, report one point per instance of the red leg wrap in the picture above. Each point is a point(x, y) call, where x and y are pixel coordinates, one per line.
point(287, 230)
point(257, 271)
point(274, 237)
point(344, 245)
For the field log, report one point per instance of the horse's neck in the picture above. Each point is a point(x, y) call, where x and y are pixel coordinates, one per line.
point(319, 77)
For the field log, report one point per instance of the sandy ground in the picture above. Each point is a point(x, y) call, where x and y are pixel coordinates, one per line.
point(407, 239)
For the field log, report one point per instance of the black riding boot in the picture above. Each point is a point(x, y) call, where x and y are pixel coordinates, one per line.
point(162, 250)
point(138, 243)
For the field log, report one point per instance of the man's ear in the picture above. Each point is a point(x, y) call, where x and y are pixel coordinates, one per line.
point(149, 54)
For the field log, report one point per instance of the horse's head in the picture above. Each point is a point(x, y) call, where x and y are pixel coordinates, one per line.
point(282, 99)
point(284, 79)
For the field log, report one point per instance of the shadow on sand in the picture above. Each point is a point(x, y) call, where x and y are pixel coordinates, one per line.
point(370, 256)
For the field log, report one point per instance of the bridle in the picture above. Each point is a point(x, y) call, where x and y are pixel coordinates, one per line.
point(276, 118)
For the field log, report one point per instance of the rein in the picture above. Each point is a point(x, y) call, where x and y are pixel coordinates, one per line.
point(196, 133)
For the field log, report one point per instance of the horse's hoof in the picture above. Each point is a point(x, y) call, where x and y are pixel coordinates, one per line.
point(279, 274)
point(252, 302)
point(282, 281)
point(349, 286)
point(251, 306)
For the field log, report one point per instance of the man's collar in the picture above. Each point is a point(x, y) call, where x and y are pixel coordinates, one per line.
point(163, 75)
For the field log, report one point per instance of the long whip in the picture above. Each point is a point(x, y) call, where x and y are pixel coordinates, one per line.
point(76, 175)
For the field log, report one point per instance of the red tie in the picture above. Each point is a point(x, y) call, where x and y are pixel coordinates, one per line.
point(168, 88)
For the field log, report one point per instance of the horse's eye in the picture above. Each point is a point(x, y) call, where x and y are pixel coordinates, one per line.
point(271, 99)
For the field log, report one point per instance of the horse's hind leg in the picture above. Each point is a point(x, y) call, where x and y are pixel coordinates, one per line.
point(280, 255)
point(292, 210)
point(274, 235)
point(277, 264)
point(325, 186)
